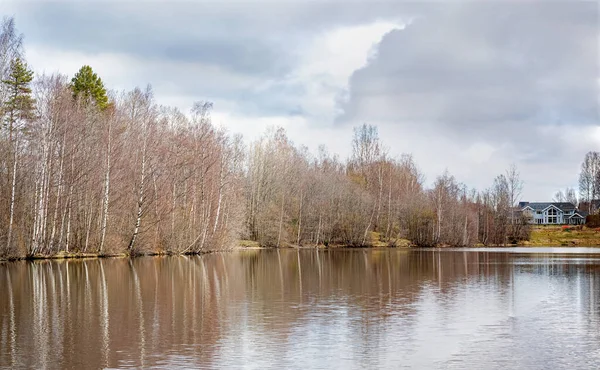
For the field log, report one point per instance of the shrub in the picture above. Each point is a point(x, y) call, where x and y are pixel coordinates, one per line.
point(592, 221)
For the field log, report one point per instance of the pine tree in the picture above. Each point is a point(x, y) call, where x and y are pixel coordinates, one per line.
point(86, 85)
point(20, 104)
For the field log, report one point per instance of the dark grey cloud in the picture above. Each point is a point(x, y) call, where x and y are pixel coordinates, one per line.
point(498, 72)
point(461, 65)
point(247, 37)
point(251, 41)
point(181, 32)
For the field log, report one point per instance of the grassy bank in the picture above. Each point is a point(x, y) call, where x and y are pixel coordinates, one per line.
point(374, 240)
point(564, 236)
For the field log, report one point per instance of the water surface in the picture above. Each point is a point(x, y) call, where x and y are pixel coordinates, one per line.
point(529, 308)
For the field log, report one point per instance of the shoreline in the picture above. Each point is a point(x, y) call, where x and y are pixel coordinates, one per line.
point(88, 255)
point(541, 236)
point(81, 256)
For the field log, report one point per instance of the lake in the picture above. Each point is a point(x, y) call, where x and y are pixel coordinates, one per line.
point(504, 308)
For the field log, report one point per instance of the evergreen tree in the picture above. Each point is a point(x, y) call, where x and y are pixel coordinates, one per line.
point(20, 104)
point(86, 85)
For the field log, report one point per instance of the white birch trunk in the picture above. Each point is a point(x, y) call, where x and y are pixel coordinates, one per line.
point(58, 198)
point(140, 202)
point(280, 220)
point(299, 219)
point(221, 185)
point(13, 188)
point(106, 188)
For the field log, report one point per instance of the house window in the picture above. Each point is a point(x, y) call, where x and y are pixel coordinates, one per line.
point(539, 212)
point(539, 221)
point(552, 212)
point(552, 219)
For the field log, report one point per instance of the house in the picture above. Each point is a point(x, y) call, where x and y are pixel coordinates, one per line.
point(557, 213)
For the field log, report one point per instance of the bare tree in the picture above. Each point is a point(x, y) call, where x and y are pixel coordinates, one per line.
point(570, 196)
point(589, 181)
point(514, 188)
point(559, 197)
point(11, 47)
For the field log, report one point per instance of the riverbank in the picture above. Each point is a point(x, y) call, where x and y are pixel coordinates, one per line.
point(563, 236)
point(541, 236)
point(88, 255)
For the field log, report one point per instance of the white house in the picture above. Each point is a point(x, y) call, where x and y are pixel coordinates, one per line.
point(558, 213)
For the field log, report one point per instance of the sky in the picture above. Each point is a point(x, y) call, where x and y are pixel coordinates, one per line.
point(465, 86)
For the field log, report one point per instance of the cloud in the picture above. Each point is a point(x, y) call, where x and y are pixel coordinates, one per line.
point(506, 81)
point(270, 59)
point(481, 65)
point(468, 86)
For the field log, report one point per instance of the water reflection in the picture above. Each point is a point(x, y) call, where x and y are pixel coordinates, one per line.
point(297, 309)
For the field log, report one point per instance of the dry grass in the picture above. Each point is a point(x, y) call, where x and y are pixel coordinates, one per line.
point(560, 236)
point(378, 243)
point(248, 244)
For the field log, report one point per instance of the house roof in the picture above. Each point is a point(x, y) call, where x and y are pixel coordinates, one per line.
point(540, 206)
point(581, 214)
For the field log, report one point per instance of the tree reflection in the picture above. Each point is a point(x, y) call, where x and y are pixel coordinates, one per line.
point(198, 311)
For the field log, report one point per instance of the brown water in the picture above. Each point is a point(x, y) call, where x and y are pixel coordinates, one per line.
point(476, 309)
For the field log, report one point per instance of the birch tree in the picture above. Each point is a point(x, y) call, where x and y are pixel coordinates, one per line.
point(589, 178)
point(18, 109)
point(142, 116)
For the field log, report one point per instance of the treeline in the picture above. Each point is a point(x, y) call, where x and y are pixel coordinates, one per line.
point(82, 171)
point(86, 170)
point(295, 198)
point(589, 181)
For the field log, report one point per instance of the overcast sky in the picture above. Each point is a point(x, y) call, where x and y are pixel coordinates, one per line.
point(468, 86)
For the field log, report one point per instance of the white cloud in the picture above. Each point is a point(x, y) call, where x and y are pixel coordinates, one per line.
point(325, 63)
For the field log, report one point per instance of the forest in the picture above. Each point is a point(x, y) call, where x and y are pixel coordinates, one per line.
point(84, 169)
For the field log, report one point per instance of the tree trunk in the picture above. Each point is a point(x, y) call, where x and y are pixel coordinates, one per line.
point(280, 220)
point(105, 201)
point(319, 229)
point(299, 220)
point(12, 196)
point(138, 219)
point(58, 196)
point(221, 185)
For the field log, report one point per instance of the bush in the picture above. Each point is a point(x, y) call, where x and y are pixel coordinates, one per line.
point(592, 221)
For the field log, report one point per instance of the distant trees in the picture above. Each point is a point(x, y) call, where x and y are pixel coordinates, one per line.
point(570, 196)
point(589, 179)
point(294, 198)
point(567, 195)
